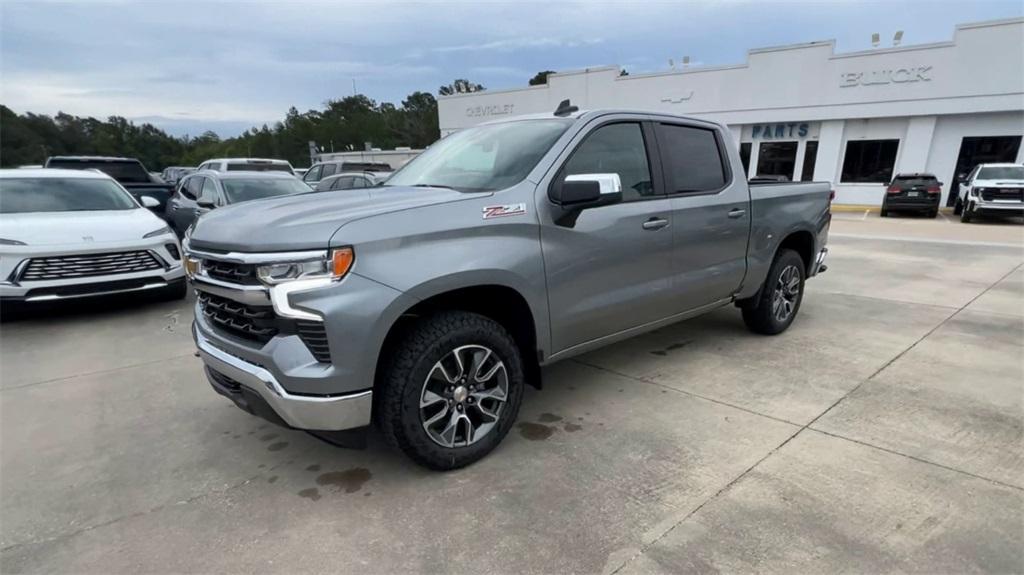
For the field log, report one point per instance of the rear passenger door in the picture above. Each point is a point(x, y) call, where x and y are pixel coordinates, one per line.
point(710, 213)
point(609, 270)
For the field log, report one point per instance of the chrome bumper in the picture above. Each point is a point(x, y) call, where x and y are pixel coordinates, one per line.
point(315, 413)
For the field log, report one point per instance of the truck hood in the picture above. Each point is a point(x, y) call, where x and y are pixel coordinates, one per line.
point(998, 183)
point(60, 228)
point(305, 221)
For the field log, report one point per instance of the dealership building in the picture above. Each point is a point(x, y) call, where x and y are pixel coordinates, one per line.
point(806, 112)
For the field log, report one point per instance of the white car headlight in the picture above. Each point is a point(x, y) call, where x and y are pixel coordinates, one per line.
point(162, 231)
point(332, 267)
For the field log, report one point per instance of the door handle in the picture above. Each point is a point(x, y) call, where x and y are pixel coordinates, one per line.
point(736, 213)
point(655, 224)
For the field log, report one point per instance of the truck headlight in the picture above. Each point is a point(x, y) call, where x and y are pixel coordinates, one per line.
point(333, 267)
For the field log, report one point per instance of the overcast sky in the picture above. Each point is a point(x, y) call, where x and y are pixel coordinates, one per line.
point(191, 66)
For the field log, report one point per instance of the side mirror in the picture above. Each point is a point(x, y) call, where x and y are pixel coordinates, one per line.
point(581, 191)
point(149, 202)
point(961, 178)
point(205, 204)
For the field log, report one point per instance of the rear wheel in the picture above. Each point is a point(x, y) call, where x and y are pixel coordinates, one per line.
point(884, 212)
point(780, 297)
point(451, 390)
point(934, 213)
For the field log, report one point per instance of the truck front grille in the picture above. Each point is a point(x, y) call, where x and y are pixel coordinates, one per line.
point(1003, 194)
point(89, 265)
point(254, 323)
point(260, 324)
point(231, 272)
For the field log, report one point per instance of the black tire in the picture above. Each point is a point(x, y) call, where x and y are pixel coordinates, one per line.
point(958, 208)
point(934, 213)
point(761, 318)
point(884, 212)
point(965, 215)
point(412, 361)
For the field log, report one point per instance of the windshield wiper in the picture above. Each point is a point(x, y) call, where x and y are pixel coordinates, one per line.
point(434, 186)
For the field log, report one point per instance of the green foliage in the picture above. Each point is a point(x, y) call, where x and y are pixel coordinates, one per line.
point(345, 124)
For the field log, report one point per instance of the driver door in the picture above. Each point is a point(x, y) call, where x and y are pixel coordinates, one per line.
point(611, 269)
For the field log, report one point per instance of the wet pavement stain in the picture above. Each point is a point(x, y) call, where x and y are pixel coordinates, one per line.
point(236, 437)
point(261, 466)
point(264, 426)
point(272, 479)
point(268, 437)
point(673, 347)
point(312, 493)
point(549, 418)
point(571, 427)
point(367, 494)
point(351, 480)
point(535, 431)
point(314, 467)
point(277, 446)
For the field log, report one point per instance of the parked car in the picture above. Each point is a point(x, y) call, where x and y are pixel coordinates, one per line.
point(174, 174)
point(321, 170)
point(427, 304)
point(201, 192)
point(128, 172)
point(246, 165)
point(78, 233)
point(912, 193)
point(991, 190)
point(349, 180)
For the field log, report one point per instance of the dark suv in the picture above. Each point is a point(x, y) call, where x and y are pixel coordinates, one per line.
point(913, 193)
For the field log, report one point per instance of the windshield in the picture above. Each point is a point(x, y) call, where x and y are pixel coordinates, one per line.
point(24, 195)
point(124, 172)
point(243, 190)
point(484, 158)
point(1001, 173)
point(259, 168)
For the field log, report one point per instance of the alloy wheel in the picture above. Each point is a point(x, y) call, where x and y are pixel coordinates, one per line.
point(787, 290)
point(463, 396)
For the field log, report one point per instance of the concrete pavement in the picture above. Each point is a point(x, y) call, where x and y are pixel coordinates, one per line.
point(883, 432)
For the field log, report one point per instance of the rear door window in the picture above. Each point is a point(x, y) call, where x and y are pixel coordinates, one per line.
point(328, 170)
point(691, 158)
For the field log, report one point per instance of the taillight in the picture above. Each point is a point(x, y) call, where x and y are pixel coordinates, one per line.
point(893, 189)
point(934, 190)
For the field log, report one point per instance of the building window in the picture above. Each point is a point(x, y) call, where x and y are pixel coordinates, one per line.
point(745, 157)
point(776, 159)
point(810, 157)
point(869, 161)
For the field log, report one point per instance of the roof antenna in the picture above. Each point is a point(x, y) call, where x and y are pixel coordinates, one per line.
point(565, 108)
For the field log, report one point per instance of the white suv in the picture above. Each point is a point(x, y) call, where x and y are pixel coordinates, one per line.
point(246, 165)
point(991, 190)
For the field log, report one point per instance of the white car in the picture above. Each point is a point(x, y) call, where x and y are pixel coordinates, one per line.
point(991, 190)
point(246, 165)
point(78, 233)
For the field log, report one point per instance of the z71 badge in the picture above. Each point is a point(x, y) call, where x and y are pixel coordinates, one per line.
point(506, 210)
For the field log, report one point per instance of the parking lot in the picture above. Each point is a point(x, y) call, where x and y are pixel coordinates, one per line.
point(883, 432)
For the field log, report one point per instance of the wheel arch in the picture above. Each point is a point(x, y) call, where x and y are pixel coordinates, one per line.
point(500, 302)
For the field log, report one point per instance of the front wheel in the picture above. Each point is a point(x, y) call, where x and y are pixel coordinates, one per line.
point(965, 214)
point(451, 390)
point(958, 208)
point(780, 296)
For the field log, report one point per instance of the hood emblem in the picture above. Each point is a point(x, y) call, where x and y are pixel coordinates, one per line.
point(505, 210)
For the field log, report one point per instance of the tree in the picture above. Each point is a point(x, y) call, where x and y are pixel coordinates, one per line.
point(541, 78)
point(460, 86)
point(623, 72)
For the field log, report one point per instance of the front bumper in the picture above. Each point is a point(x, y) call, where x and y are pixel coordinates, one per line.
point(13, 260)
point(239, 380)
point(819, 263)
point(1007, 209)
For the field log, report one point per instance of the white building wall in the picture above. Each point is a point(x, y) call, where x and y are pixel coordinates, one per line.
point(927, 96)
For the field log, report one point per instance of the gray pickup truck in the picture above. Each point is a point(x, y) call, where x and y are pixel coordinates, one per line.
point(425, 305)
